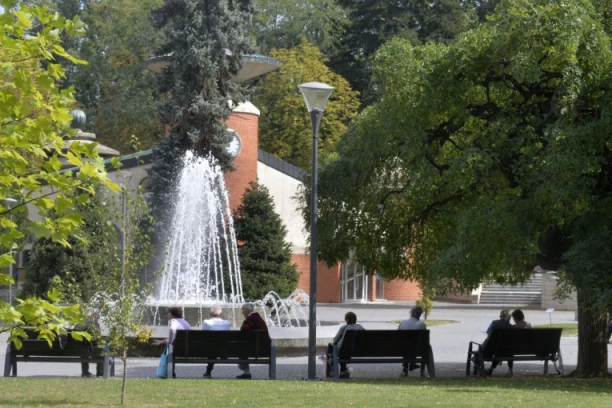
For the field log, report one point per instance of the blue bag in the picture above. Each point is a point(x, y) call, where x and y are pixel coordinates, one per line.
point(162, 369)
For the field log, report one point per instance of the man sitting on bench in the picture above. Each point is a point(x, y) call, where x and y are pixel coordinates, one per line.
point(214, 323)
point(413, 323)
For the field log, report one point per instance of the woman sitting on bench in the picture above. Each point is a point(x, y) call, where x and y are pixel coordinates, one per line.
point(351, 324)
point(519, 323)
point(175, 322)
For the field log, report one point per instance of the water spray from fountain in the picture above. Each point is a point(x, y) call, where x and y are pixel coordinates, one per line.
point(201, 266)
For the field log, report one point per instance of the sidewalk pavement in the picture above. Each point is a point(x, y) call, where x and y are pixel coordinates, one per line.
point(449, 343)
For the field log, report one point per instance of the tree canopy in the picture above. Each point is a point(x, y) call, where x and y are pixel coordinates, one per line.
point(285, 128)
point(34, 117)
point(484, 158)
point(283, 23)
point(118, 94)
point(374, 22)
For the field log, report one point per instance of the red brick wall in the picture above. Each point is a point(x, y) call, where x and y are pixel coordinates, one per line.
point(458, 297)
point(402, 290)
point(237, 181)
point(328, 279)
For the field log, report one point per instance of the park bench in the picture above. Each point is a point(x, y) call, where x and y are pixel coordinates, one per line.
point(384, 346)
point(517, 345)
point(223, 347)
point(64, 349)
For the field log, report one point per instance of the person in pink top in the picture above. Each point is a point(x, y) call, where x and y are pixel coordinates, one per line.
point(175, 322)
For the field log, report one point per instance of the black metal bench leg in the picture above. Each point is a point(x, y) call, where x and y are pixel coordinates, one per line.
point(546, 366)
point(335, 368)
point(431, 368)
point(468, 364)
point(481, 364)
point(272, 371)
point(8, 361)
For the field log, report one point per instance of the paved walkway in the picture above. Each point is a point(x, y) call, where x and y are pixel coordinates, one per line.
point(449, 344)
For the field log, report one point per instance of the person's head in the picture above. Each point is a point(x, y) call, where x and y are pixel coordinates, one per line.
point(518, 315)
point(504, 314)
point(247, 309)
point(215, 311)
point(416, 312)
point(175, 312)
point(350, 318)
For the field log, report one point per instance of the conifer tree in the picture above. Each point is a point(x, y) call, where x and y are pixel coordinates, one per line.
point(265, 256)
point(204, 42)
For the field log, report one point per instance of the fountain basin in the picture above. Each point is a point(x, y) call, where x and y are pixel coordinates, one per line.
point(289, 341)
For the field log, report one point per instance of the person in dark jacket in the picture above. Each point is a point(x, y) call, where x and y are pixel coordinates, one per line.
point(502, 323)
point(350, 319)
point(252, 321)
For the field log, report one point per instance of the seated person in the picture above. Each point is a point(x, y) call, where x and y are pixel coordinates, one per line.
point(351, 324)
point(91, 325)
point(519, 323)
point(412, 323)
point(519, 320)
point(214, 323)
point(502, 323)
point(175, 322)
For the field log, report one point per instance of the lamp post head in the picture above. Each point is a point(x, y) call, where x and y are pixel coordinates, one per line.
point(316, 95)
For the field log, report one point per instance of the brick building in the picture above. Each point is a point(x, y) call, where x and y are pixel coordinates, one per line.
point(346, 282)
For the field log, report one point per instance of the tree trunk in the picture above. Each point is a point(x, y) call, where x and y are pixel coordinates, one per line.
point(123, 384)
point(592, 345)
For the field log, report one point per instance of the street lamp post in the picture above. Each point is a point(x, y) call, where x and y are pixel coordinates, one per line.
point(11, 203)
point(316, 95)
point(126, 177)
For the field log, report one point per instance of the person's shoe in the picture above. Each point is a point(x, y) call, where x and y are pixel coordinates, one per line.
point(404, 374)
point(207, 375)
point(344, 374)
point(244, 376)
point(86, 374)
point(413, 367)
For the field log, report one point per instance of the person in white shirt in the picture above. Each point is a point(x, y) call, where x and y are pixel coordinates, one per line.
point(214, 323)
point(413, 323)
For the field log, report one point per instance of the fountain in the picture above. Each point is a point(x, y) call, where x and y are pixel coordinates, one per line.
point(202, 266)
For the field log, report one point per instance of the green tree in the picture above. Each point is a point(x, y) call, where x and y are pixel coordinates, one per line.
point(34, 115)
point(204, 41)
point(121, 293)
point(74, 269)
point(282, 24)
point(285, 128)
point(484, 158)
point(119, 96)
point(265, 256)
point(374, 22)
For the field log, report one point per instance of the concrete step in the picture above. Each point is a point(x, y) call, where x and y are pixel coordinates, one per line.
point(510, 290)
point(510, 298)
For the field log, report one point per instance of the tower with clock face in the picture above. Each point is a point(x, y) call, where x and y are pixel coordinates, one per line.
point(243, 123)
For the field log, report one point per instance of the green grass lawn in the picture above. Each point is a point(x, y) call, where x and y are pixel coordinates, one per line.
point(569, 329)
point(431, 322)
point(536, 391)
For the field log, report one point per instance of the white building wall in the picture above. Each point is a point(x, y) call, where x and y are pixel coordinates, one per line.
point(284, 189)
